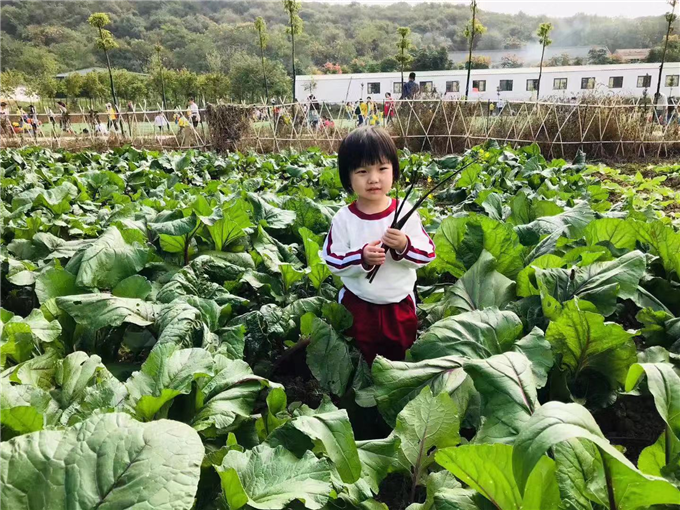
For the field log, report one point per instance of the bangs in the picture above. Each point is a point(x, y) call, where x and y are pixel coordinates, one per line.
point(366, 146)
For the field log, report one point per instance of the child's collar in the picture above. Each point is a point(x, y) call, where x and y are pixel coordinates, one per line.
point(354, 208)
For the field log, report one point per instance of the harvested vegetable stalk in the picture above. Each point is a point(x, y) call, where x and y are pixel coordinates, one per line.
point(399, 223)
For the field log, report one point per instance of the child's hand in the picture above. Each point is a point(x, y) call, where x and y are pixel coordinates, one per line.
point(396, 239)
point(373, 254)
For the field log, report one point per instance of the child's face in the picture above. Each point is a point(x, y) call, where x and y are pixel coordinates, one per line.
point(372, 182)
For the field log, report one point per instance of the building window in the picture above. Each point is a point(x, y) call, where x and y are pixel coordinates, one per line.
point(452, 86)
point(644, 81)
point(374, 88)
point(560, 84)
point(587, 83)
point(426, 86)
point(505, 86)
point(532, 85)
point(396, 87)
point(478, 85)
point(615, 82)
point(672, 80)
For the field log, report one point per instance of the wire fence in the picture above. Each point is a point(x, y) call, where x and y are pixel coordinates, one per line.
point(602, 128)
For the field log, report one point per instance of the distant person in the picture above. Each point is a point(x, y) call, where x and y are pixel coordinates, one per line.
point(357, 112)
point(364, 112)
point(160, 122)
point(661, 106)
point(349, 109)
point(5, 124)
point(193, 111)
point(501, 105)
point(388, 109)
point(112, 120)
point(33, 119)
point(65, 120)
point(410, 89)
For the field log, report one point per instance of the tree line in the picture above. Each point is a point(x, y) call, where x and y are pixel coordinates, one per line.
point(261, 58)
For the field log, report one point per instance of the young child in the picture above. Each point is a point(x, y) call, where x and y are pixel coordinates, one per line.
point(384, 311)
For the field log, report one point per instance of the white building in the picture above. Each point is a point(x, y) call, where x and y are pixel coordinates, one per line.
point(509, 84)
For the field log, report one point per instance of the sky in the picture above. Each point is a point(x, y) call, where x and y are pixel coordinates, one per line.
point(557, 8)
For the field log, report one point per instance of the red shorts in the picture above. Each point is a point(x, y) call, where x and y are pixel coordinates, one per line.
point(388, 330)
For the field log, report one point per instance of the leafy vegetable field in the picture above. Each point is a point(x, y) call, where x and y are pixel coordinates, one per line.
point(171, 338)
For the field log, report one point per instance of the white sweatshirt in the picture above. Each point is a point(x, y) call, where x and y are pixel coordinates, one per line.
point(352, 229)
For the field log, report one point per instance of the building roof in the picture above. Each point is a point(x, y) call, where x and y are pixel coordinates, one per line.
point(633, 53)
point(82, 72)
point(88, 70)
point(642, 67)
point(530, 54)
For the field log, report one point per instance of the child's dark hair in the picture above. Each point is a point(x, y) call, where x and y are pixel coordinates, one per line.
point(368, 145)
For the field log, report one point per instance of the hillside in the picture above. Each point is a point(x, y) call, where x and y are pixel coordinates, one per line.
point(205, 36)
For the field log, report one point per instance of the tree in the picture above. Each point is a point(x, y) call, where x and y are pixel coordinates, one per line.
point(431, 59)
point(404, 44)
point(292, 8)
point(670, 18)
point(598, 56)
point(74, 84)
point(511, 62)
point(476, 63)
point(92, 87)
point(161, 71)
point(513, 43)
point(105, 42)
point(543, 34)
point(261, 28)
point(245, 83)
point(472, 29)
point(560, 60)
point(47, 86)
point(672, 51)
point(214, 86)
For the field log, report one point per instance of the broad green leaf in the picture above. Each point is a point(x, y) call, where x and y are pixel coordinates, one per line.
point(135, 286)
point(273, 217)
point(556, 422)
point(482, 287)
point(107, 261)
point(24, 409)
point(331, 433)
point(227, 396)
point(580, 474)
point(508, 391)
point(616, 232)
point(398, 382)
point(231, 227)
point(167, 372)
point(56, 282)
point(273, 252)
point(328, 356)
point(663, 240)
point(318, 270)
point(600, 283)
point(100, 310)
point(538, 350)
point(573, 221)
point(117, 452)
point(461, 240)
point(526, 279)
point(487, 468)
point(476, 334)
point(203, 277)
point(289, 478)
point(657, 460)
point(664, 384)
point(427, 422)
point(438, 483)
point(587, 344)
